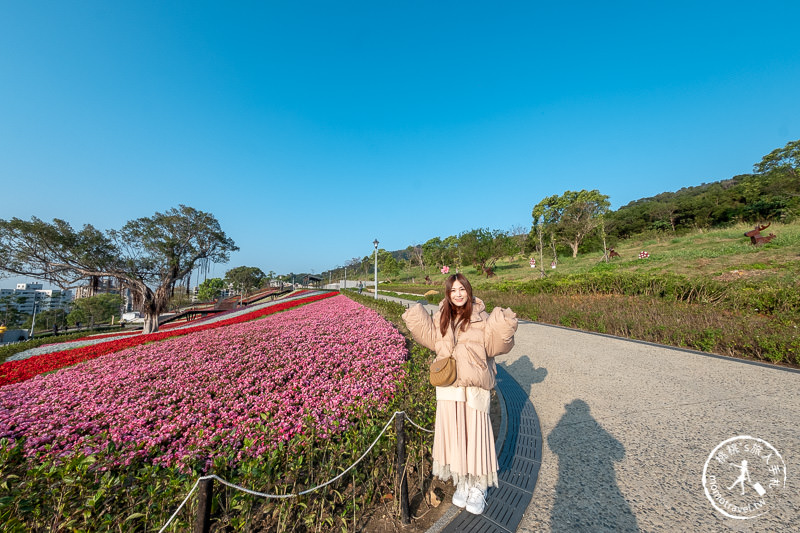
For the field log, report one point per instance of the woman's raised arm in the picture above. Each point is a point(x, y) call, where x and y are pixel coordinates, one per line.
point(499, 334)
point(421, 325)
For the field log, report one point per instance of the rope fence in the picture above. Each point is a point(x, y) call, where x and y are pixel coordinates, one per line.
point(205, 507)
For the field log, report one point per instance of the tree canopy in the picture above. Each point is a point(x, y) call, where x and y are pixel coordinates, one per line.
point(210, 289)
point(97, 309)
point(245, 279)
point(781, 159)
point(147, 255)
point(483, 247)
point(571, 217)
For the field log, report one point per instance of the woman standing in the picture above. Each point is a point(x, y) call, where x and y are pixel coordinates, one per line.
point(463, 441)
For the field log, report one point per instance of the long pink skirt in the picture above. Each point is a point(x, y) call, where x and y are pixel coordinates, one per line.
point(463, 444)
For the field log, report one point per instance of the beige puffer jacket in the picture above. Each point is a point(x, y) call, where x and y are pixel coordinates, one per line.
point(488, 335)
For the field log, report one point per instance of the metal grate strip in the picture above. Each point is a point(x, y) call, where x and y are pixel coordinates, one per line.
point(519, 461)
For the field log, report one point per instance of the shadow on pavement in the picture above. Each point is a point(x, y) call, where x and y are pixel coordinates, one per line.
point(526, 374)
point(587, 496)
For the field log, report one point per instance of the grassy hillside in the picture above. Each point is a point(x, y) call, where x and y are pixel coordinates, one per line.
point(709, 290)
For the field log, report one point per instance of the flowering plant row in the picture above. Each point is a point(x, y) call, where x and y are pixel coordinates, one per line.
point(245, 388)
point(16, 371)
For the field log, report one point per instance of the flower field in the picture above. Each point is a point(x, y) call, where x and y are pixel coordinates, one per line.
point(16, 371)
point(237, 391)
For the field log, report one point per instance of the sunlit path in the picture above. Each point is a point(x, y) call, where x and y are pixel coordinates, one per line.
point(628, 426)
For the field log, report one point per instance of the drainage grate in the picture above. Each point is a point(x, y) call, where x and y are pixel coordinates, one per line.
point(519, 461)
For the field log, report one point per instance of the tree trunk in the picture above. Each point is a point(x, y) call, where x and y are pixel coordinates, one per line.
point(541, 251)
point(154, 304)
point(150, 323)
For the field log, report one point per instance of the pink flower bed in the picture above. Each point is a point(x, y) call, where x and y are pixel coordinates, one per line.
point(194, 397)
point(16, 371)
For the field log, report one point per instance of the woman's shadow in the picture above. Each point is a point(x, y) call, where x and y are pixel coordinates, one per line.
point(587, 495)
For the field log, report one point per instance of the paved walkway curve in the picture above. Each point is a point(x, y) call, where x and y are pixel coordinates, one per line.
point(628, 427)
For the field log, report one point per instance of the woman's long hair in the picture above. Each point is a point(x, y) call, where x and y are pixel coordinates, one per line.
point(451, 314)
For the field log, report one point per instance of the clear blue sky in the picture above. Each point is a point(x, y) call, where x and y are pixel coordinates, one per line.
point(311, 128)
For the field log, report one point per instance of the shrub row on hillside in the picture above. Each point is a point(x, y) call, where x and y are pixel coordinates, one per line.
point(743, 295)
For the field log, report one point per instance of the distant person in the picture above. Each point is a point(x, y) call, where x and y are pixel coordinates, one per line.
point(463, 441)
point(360, 286)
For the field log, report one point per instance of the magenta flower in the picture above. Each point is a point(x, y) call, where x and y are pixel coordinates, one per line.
point(185, 400)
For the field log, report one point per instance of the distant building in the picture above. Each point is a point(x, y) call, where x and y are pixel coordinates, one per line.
point(96, 286)
point(26, 295)
point(99, 285)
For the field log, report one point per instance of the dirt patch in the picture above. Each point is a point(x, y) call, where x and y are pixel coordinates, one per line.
point(385, 518)
point(734, 275)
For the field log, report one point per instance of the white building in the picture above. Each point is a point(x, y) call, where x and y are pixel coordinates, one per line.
point(26, 295)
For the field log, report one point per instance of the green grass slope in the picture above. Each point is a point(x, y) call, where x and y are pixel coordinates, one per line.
point(708, 290)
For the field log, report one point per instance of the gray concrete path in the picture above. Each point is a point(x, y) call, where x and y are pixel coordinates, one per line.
point(628, 428)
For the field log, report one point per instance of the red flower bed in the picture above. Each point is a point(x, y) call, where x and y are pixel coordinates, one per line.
point(164, 327)
point(16, 371)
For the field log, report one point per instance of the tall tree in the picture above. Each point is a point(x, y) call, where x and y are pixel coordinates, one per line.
point(9, 312)
point(546, 216)
point(210, 289)
point(577, 214)
point(97, 309)
point(518, 236)
point(483, 247)
point(783, 159)
point(147, 255)
point(433, 252)
point(387, 264)
point(245, 278)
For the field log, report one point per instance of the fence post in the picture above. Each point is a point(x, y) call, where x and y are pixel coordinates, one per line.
point(205, 493)
point(405, 513)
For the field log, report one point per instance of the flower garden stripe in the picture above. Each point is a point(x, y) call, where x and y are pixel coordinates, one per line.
point(16, 371)
point(235, 392)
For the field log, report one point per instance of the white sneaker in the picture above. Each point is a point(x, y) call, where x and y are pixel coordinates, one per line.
point(460, 495)
point(476, 501)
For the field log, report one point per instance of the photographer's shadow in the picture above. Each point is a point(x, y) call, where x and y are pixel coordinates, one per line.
point(525, 373)
point(587, 495)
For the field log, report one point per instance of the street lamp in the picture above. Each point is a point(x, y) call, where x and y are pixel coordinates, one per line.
point(33, 320)
point(375, 242)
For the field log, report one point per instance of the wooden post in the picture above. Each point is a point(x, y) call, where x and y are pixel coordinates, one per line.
point(405, 513)
point(205, 493)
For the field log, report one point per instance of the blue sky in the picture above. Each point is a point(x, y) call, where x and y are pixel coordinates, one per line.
point(311, 128)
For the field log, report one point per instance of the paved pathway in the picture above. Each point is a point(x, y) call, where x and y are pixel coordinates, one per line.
point(628, 427)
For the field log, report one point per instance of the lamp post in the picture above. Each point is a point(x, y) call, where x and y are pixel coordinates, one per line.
point(375, 242)
point(33, 320)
